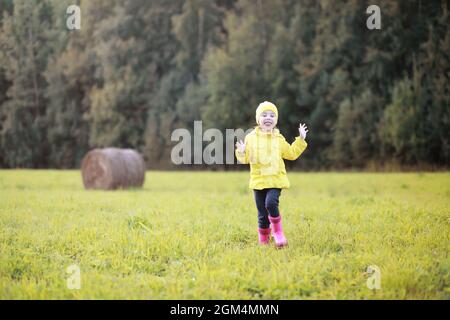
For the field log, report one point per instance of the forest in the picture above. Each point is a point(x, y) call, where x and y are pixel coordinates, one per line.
point(137, 70)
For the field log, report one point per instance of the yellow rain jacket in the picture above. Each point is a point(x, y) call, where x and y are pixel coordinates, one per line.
point(265, 153)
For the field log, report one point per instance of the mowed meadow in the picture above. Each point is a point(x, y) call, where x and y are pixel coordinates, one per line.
point(192, 235)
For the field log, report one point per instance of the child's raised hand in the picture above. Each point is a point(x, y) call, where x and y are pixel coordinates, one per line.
point(240, 146)
point(302, 130)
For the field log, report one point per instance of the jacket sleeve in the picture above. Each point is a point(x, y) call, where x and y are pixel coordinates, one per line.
point(294, 150)
point(243, 157)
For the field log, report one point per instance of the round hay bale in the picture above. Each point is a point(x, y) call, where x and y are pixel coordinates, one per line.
point(112, 168)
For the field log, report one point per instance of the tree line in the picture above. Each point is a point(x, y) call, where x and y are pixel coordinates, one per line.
point(138, 69)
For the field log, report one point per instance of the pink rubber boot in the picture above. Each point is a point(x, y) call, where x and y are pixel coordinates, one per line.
point(277, 231)
point(264, 235)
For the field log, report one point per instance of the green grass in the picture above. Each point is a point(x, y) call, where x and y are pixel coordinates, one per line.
point(192, 235)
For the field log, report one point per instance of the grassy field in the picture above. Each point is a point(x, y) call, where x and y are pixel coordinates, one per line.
point(192, 235)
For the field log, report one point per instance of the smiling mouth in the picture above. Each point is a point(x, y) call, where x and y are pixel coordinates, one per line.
point(267, 123)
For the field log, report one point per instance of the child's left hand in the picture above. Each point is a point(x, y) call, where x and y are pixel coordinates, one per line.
point(302, 130)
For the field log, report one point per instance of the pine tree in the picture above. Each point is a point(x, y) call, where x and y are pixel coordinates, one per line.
point(5, 7)
point(180, 96)
point(71, 73)
point(25, 48)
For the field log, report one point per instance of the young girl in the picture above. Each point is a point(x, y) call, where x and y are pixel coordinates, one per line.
point(265, 148)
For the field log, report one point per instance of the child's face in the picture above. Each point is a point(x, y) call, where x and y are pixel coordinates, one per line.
point(267, 120)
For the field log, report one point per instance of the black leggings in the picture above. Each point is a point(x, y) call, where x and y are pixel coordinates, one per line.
point(266, 203)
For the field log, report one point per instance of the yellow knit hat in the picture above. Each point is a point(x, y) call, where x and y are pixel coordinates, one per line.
point(265, 106)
